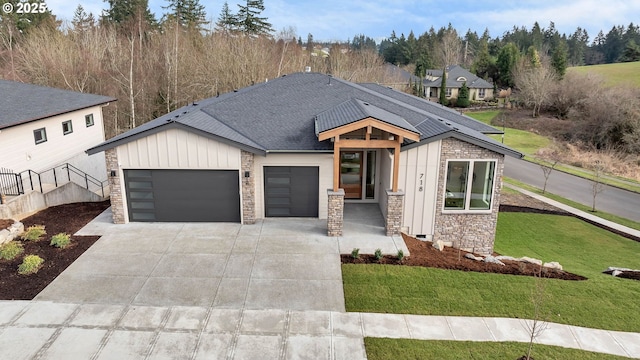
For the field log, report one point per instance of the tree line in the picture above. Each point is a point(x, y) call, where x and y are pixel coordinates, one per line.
point(493, 58)
point(153, 66)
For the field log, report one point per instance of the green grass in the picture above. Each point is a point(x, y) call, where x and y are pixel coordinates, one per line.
point(607, 216)
point(601, 302)
point(525, 142)
point(393, 349)
point(614, 74)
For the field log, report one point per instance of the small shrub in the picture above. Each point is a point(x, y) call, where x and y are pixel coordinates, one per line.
point(10, 250)
point(378, 254)
point(30, 265)
point(355, 253)
point(61, 240)
point(400, 255)
point(34, 233)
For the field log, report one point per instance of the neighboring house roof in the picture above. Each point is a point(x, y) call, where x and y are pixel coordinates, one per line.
point(396, 72)
point(454, 73)
point(22, 103)
point(281, 115)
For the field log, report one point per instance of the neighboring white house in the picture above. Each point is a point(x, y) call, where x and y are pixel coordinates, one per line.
point(301, 146)
point(42, 128)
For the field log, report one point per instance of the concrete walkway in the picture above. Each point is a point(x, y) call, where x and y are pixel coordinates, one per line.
point(580, 213)
point(45, 330)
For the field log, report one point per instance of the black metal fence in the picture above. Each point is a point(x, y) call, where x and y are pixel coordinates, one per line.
point(10, 183)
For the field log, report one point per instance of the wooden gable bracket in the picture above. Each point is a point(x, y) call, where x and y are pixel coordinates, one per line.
point(398, 133)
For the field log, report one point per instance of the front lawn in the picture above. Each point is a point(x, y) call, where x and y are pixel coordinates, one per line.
point(600, 302)
point(392, 349)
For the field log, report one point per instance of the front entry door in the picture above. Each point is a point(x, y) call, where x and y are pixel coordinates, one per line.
point(351, 174)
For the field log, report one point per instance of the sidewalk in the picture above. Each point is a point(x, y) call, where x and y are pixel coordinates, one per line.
point(46, 330)
point(580, 213)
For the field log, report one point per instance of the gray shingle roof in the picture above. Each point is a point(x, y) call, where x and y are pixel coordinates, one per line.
point(280, 115)
point(453, 73)
point(21, 103)
point(354, 110)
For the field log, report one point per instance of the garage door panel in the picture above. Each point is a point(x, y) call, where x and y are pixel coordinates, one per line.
point(183, 195)
point(291, 191)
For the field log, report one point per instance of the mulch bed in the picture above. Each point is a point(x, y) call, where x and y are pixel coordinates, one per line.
point(68, 219)
point(425, 255)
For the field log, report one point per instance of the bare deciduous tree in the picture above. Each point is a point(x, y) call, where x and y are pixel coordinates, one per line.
point(535, 84)
point(596, 183)
point(449, 48)
point(538, 324)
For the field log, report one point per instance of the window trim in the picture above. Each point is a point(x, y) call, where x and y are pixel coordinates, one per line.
point(481, 93)
point(43, 135)
point(88, 120)
point(448, 92)
point(468, 185)
point(70, 130)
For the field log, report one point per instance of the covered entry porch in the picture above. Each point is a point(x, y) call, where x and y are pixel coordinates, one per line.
point(361, 134)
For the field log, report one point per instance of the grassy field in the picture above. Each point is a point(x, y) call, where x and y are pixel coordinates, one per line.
point(614, 74)
point(601, 302)
point(393, 349)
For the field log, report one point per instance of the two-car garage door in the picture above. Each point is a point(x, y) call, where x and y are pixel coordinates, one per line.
point(213, 195)
point(183, 195)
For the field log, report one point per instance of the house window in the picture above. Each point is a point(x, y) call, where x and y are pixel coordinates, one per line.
point(40, 135)
point(469, 185)
point(448, 92)
point(67, 127)
point(481, 93)
point(88, 120)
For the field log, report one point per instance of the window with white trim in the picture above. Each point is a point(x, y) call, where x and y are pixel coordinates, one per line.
point(88, 120)
point(448, 92)
point(40, 135)
point(481, 93)
point(67, 127)
point(469, 185)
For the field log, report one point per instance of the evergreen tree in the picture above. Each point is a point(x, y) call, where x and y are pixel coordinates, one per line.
point(443, 88)
point(190, 13)
point(227, 21)
point(123, 11)
point(309, 42)
point(559, 59)
point(631, 52)
point(26, 21)
point(81, 20)
point(249, 20)
point(507, 58)
point(463, 96)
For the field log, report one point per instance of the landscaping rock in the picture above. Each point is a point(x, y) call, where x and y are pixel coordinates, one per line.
point(472, 257)
point(553, 265)
point(17, 228)
point(5, 236)
point(616, 272)
point(439, 245)
point(507, 258)
point(493, 260)
point(530, 260)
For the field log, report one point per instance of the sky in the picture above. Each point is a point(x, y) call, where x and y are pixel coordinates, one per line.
point(340, 20)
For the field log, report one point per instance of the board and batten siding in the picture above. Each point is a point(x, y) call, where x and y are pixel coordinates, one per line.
point(323, 161)
point(418, 178)
point(178, 149)
point(20, 152)
point(174, 149)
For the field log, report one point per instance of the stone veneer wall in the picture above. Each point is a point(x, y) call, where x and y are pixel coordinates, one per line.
point(335, 215)
point(117, 204)
point(248, 188)
point(393, 221)
point(470, 232)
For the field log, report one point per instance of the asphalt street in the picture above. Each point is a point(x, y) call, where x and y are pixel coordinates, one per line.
point(612, 200)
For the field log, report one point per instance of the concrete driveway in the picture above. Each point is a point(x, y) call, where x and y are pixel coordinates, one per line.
point(274, 264)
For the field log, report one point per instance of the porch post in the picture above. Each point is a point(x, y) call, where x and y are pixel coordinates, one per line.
point(336, 163)
point(395, 205)
point(335, 212)
point(248, 187)
point(115, 196)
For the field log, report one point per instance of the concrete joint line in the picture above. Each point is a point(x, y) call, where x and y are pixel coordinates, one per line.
point(619, 344)
point(488, 328)
point(285, 335)
point(156, 332)
point(107, 336)
point(331, 336)
point(406, 323)
point(56, 333)
point(236, 334)
point(453, 335)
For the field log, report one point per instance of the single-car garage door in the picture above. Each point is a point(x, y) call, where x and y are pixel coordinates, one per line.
point(183, 195)
point(291, 191)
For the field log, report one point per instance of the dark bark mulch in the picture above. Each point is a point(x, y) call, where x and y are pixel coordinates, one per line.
point(68, 218)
